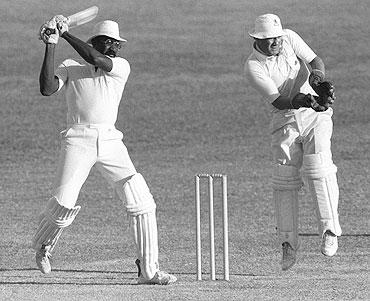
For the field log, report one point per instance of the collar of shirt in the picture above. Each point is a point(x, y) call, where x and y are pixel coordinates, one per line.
point(262, 57)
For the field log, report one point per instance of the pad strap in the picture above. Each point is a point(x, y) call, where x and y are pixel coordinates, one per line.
point(286, 177)
point(139, 200)
point(318, 165)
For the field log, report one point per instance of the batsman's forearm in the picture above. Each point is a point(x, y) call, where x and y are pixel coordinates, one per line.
point(47, 79)
point(88, 53)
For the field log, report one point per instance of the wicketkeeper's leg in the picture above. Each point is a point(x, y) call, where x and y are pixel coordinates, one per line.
point(320, 172)
point(141, 210)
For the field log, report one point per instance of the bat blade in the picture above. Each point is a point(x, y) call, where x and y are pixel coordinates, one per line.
point(83, 16)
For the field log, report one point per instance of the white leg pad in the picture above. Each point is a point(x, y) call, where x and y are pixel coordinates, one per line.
point(320, 173)
point(141, 210)
point(53, 220)
point(286, 184)
point(138, 199)
point(144, 230)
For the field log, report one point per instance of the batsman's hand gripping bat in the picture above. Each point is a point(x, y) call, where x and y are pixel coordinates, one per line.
point(79, 18)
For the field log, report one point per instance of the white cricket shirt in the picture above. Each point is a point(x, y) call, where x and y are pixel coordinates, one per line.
point(93, 96)
point(285, 74)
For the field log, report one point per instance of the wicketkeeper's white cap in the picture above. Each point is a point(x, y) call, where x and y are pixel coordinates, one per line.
point(107, 28)
point(267, 26)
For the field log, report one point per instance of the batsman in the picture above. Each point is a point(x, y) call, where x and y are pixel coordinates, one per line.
point(291, 78)
point(93, 85)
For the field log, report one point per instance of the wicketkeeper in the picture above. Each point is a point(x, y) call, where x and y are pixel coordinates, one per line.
point(93, 90)
point(291, 77)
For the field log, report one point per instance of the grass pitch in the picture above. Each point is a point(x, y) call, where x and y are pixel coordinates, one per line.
point(186, 110)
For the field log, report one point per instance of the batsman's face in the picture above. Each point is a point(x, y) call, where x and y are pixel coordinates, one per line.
point(270, 46)
point(107, 45)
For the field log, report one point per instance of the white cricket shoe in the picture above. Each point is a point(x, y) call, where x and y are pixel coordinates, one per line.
point(289, 256)
point(160, 277)
point(329, 244)
point(42, 260)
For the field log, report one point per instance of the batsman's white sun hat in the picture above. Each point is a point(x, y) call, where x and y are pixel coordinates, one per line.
point(107, 28)
point(267, 26)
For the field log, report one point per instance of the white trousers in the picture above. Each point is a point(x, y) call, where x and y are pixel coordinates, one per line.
point(305, 145)
point(309, 134)
point(85, 146)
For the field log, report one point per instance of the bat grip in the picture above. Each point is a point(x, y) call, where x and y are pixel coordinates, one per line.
point(49, 31)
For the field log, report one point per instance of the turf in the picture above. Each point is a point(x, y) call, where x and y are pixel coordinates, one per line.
point(186, 110)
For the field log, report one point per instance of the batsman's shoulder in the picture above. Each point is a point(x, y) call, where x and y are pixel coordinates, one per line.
point(122, 62)
point(121, 68)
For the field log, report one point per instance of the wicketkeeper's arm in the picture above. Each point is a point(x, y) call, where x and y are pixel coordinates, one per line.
point(89, 53)
point(324, 88)
point(317, 68)
point(48, 82)
point(298, 101)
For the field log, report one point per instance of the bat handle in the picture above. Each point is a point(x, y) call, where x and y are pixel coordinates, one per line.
point(49, 31)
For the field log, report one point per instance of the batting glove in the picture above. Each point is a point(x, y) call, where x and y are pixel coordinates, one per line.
point(48, 32)
point(62, 23)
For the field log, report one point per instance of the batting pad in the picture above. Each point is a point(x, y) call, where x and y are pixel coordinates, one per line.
point(139, 200)
point(286, 183)
point(320, 173)
point(144, 230)
point(53, 220)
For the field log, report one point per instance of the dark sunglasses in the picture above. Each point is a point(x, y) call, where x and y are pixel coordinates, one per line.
point(109, 42)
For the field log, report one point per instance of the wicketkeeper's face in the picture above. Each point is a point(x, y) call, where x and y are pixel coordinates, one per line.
point(270, 46)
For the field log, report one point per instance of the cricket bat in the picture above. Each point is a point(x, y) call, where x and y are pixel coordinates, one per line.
point(80, 18)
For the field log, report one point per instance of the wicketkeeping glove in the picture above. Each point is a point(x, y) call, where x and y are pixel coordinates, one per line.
point(325, 89)
point(308, 101)
point(326, 92)
point(49, 33)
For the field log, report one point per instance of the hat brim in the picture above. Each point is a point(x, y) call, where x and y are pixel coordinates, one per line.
point(107, 35)
point(266, 35)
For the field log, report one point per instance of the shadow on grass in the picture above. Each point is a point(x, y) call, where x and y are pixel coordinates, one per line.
point(87, 278)
point(68, 271)
point(65, 277)
point(348, 234)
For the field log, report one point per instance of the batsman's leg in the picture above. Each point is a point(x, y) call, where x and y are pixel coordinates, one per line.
point(53, 220)
point(75, 161)
point(286, 184)
point(320, 172)
point(141, 209)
